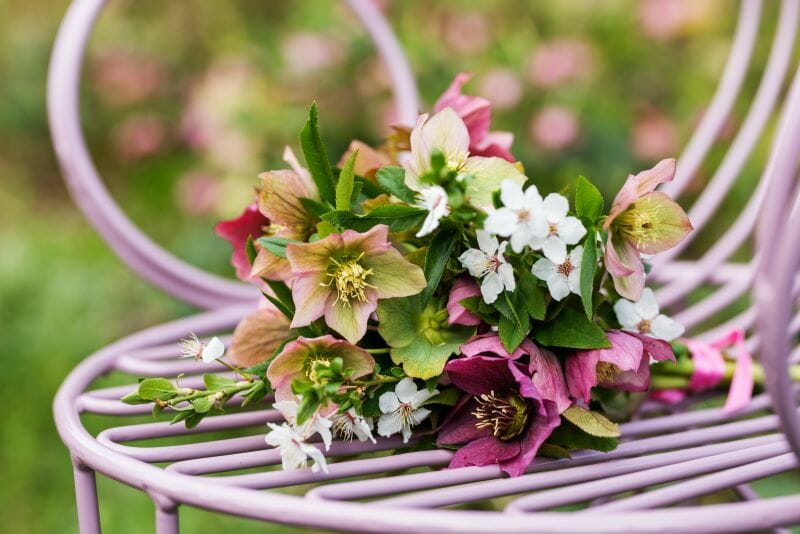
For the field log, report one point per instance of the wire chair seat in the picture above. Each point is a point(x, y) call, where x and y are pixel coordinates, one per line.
point(667, 456)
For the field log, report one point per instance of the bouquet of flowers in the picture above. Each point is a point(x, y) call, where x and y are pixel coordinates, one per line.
point(428, 289)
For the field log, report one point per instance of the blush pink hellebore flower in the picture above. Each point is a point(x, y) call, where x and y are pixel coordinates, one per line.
point(251, 223)
point(298, 357)
point(463, 288)
point(476, 112)
point(625, 366)
point(642, 220)
point(344, 275)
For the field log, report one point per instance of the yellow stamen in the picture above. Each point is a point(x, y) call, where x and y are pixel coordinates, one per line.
point(350, 279)
point(606, 372)
point(505, 416)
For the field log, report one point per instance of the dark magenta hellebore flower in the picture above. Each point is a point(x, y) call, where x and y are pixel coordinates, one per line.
point(250, 223)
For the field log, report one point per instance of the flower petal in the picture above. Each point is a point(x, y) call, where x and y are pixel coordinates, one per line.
point(250, 223)
point(502, 221)
point(647, 306)
point(270, 266)
point(480, 374)
point(506, 272)
point(313, 257)
point(491, 287)
point(639, 185)
point(393, 276)
point(554, 249)
point(555, 207)
point(388, 402)
point(459, 424)
point(446, 132)
point(558, 286)
point(463, 288)
point(571, 230)
point(625, 266)
point(487, 242)
point(627, 315)
point(544, 269)
point(405, 390)
point(350, 319)
point(485, 451)
point(310, 298)
point(669, 224)
point(663, 327)
point(257, 336)
point(488, 175)
point(511, 194)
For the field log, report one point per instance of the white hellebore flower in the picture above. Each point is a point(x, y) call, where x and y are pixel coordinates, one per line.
point(349, 424)
point(644, 317)
point(446, 132)
point(192, 347)
point(562, 230)
point(521, 217)
point(489, 264)
point(433, 199)
point(316, 425)
point(563, 278)
point(294, 450)
point(401, 408)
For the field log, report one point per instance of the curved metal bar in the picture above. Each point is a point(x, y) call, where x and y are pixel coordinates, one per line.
point(724, 98)
point(143, 255)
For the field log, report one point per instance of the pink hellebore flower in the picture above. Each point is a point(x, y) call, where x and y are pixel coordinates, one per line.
point(298, 357)
point(624, 366)
point(251, 223)
point(502, 418)
point(642, 220)
point(279, 199)
point(463, 288)
point(343, 275)
point(476, 112)
point(543, 366)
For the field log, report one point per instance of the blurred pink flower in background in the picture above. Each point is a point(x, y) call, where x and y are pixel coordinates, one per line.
point(197, 193)
point(554, 128)
point(125, 77)
point(502, 87)
point(139, 136)
point(307, 52)
point(666, 19)
point(655, 136)
point(466, 33)
point(560, 61)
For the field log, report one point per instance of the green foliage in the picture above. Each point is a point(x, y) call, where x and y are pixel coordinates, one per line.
point(392, 180)
point(571, 329)
point(157, 388)
point(436, 257)
point(593, 423)
point(531, 295)
point(250, 248)
point(397, 217)
point(588, 269)
point(276, 245)
point(588, 200)
point(570, 438)
point(344, 188)
point(317, 156)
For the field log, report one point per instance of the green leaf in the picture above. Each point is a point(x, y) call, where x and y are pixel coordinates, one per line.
point(551, 450)
point(511, 333)
point(508, 307)
point(448, 397)
point(571, 329)
point(570, 437)
point(393, 181)
point(588, 200)
point(283, 294)
point(203, 404)
point(134, 398)
point(397, 217)
point(180, 416)
point(317, 156)
point(317, 208)
point(531, 294)
point(276, 245)
point(435, 261)
point(421, 349)
point(588, 268)
point(324, 228)
point(593, 423)
point(344, 188)
point(250, 248)
point(193, 419)
point(217, 382)
point(157, 388)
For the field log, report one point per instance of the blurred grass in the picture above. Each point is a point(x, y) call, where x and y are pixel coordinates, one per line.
point(237, 68)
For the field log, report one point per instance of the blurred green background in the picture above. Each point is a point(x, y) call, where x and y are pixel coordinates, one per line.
point(185, 102)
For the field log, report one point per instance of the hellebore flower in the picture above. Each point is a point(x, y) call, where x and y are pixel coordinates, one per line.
point(349, 424)
point(488, 263)
point(433, 199)
point(522, 216)
point(624, 366)
point(251, 223)
point(562, 230)
point(502, 417)
point(192, 347)
point(644, 317)
point(257, 336)
point(463, 288)
point(561, 279)
point(343, 275)
point(402, 408)
point(298, 358)
point(642, 220)
point(445, 132)
point(368, 160)
point(476, 112)
point(279, 199)
point(543, 365)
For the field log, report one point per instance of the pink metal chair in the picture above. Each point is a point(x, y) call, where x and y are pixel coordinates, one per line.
point(695, 452)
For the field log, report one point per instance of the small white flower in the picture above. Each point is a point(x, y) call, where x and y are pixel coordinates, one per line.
point(521, 217)
point(295, 452)
point(489, 264)
point(563, 230)
point(192, 347)
point(316, 425)
point(564, 278)
point(644, 317)
point(433, 199)
point(401, 408)
point(349, 424)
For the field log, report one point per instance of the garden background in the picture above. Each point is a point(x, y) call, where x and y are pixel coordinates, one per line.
point(184, 103)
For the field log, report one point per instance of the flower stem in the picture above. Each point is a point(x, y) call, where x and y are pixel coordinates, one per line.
point(676, 375)
point(384, 350)
point(236, 370)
